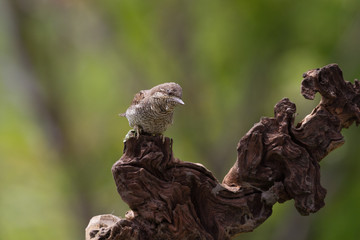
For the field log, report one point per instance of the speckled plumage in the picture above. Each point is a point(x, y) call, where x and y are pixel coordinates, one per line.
point(152, 110)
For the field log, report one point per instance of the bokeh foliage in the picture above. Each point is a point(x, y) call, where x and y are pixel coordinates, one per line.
point(68, 67)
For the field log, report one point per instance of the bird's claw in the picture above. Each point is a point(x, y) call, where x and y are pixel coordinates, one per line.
point(137, 130)
point(135, 133)
point(132, 133)
point(163, 138)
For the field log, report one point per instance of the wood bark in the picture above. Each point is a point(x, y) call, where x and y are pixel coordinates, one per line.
point(277, 161)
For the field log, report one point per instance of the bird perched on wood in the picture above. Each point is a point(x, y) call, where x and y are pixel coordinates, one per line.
point(151, 111)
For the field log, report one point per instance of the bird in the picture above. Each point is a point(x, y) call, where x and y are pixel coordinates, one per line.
point(151, 111)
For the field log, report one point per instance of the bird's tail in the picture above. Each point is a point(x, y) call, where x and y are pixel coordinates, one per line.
point(122, 114)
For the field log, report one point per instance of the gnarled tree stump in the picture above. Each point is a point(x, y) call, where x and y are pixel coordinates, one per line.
point(277, 161)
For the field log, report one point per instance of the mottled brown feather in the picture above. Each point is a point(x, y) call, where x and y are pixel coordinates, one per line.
point(138, 97)
point(152, 110)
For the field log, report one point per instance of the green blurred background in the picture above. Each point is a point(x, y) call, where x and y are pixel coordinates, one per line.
point(68, 67)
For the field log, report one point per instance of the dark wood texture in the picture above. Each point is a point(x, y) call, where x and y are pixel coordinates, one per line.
point(277, 161)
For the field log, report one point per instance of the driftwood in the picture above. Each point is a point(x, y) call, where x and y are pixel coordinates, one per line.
point(277, 161)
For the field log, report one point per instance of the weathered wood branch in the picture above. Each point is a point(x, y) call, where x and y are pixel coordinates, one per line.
point(277, 161)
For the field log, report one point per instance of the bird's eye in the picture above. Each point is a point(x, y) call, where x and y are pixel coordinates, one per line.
point(171, 92)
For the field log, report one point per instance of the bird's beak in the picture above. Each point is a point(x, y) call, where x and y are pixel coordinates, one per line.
point(178, 100)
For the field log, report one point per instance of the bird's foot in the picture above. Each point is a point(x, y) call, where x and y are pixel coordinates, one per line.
point(138, 130)
point(135, 133)
point(132, 133)
point(162, 137)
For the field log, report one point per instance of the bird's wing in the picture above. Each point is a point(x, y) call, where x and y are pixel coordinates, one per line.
point(138, 97)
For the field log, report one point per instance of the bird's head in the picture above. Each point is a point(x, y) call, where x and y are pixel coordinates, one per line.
point(169, 93)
